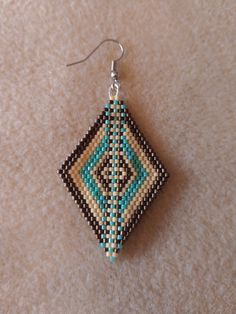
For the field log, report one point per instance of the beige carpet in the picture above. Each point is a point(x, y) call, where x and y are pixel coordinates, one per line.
point(179, 76)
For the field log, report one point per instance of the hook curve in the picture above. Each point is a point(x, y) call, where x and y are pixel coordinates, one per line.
point(98, 46)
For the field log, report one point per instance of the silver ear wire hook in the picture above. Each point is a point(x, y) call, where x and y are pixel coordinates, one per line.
point(98, 46)
point(115, 86)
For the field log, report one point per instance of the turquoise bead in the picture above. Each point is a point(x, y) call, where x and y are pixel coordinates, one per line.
point(119, 246)
point(112, 259)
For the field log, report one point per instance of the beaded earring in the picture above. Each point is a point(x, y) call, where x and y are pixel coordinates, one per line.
point(113, 173)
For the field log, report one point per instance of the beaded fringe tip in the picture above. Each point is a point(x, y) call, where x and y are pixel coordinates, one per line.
point(113, 175)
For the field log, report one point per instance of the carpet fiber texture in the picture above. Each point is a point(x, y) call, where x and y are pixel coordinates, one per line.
point(178, 76)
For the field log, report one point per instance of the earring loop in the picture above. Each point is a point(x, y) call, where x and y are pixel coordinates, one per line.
point(114, 90)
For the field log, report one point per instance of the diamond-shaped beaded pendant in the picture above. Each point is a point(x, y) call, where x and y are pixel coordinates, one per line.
point(113, 175)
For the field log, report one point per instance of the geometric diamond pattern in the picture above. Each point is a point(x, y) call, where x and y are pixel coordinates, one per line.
point(104, 175)
point(113, 175)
